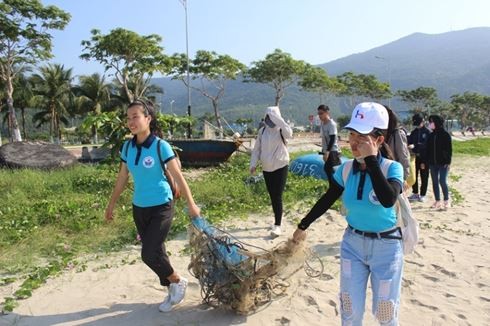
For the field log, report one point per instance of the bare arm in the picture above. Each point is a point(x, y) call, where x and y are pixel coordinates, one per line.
point(174, 169)
point(121, 182)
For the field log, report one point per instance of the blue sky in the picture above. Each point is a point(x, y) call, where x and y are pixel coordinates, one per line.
point(316, 31)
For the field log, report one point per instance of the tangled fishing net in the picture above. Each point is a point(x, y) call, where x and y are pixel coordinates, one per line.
point(239, 276)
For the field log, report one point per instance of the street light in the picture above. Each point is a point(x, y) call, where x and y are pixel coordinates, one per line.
point(189, 131)
point(389, 73)
point(172, 106)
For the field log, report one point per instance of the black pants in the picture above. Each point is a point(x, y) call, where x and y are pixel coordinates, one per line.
point(424, 177)
point(333, 160)
point(153, 224)
point(275, 182)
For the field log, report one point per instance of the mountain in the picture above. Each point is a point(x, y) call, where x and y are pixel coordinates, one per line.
point(452, 63)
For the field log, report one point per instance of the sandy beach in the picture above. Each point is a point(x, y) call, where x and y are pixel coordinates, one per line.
point(446, 282)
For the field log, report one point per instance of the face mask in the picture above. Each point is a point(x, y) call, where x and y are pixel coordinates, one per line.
point(432, 126)
point(269, 122)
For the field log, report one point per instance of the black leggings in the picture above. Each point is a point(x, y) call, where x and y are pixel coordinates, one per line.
point(275, 182)
point(153, 224)
point(424, 177)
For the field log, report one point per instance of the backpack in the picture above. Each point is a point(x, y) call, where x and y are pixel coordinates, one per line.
point(405, 219)
point(170, 179)
point(280, 133)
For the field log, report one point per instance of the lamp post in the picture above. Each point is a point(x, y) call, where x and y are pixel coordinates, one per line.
point(172, 106)
point(389, 74)
point(189, 131)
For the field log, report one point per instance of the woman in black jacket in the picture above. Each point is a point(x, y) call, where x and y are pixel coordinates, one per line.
point(439, 154)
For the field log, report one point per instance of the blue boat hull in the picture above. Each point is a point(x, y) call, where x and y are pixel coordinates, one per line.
point(310, 165)
point(204, 152)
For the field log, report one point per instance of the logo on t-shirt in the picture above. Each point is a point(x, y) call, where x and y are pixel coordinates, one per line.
point(373, 198)
point(148, 162)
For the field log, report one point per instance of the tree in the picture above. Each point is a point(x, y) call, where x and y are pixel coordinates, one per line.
point(24, 40)
point(212, 70)
point(422, 99)
point(53, 92)
point(278, 70)
point(23, 96)
point(316, 80)
point(93, 95)
point(132, 57)
point(469, 108)
point(360, 87)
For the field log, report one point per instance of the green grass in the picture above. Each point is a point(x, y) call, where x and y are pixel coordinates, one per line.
point(41, 210)
point(475, 147)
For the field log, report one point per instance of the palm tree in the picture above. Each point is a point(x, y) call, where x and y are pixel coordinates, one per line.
point(23, 97)
point(53, 90)
point(93, 96)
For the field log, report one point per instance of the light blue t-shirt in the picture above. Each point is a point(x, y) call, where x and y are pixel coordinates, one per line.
point(150, 184)
point(367, 214)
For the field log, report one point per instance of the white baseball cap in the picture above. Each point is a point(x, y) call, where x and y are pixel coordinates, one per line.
point(367, 116)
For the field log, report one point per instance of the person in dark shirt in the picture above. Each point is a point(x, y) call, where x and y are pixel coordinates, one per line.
point(439, 154)
point(417, 140)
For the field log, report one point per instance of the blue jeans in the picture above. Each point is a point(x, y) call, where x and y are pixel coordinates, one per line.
point(438, 174)
point(362, 257)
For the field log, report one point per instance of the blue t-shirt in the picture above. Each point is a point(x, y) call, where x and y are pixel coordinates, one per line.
point(150, 184)
point(367, 214)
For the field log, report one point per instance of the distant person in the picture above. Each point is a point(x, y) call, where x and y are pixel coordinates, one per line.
point(396, 138)
point(418, 139)
point(371, 247)
point(439, 155)
point(271, 151)
point(330, 147)
point(153, 207)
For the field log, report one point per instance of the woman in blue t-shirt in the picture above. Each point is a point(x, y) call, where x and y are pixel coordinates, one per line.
point(371, 244)
point(152, 197)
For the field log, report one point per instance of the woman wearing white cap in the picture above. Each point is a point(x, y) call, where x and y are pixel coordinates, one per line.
point(371, 244)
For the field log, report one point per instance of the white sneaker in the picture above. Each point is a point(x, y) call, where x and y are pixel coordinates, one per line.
point(276, 231)
point(166, 305)
point(422, 199)
point(177, 291)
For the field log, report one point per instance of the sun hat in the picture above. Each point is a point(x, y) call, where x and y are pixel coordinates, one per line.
point(368, 116)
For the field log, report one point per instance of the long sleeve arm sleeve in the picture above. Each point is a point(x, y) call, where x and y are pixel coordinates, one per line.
point(386, 191)
point(331, 141)
point(322, 205)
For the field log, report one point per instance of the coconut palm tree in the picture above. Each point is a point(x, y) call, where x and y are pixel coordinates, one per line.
point(93, 96)
point(53, 91)
point(23, 98)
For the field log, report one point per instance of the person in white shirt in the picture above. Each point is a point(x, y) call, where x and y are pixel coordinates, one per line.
point(271, 151)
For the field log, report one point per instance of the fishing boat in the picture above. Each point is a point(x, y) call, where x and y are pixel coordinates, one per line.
point(204, 152)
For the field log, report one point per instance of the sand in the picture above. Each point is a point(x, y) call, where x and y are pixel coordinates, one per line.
point(446, 282)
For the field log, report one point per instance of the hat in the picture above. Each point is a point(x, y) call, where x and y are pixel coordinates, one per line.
point(367, 116)
point(417, 119)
